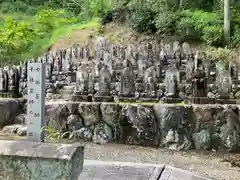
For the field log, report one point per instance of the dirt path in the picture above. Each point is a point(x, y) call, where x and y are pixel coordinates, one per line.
point(202, 163)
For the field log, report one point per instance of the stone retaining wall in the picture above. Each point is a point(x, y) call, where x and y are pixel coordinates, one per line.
point(27, 160)
point(210, 127)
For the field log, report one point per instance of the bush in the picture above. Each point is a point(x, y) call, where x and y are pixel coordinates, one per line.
point(202, 25)
point(219, 54)
point(18, 37)
point(51, 19)
point(166, 22)
point(142, 20)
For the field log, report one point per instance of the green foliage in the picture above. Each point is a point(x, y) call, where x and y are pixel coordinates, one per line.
point(142, 20)
point(204, 26)
point(52, 134)
point(51, 19)
point(20, 37)
point(219, 54)
point(166, 22)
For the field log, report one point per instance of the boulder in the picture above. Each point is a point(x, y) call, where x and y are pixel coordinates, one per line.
point(102, 134)
point(139, 126)
point(176, 125)
point(9, 109)
point(56, 116)
point(90, 112)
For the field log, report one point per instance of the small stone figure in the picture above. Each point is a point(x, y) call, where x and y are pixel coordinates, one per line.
point(14, 82)
point(150, 91)
point(127, 90)
point(199, 86)
point(3, 82)
point(172, 79)
point(233, 70)
point(103, 94)
point(24, 70)
point(82, 84)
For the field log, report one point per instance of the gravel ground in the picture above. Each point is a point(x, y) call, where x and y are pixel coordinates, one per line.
point(208, 164)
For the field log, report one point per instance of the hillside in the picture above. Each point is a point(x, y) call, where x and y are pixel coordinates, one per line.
point(28, 29)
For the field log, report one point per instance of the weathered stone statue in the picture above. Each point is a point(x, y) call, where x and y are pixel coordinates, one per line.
point(142, 66)
point(233, 70)
point(24, 70)
point(3, 82)
point(172, 79)
point(82, 84)
point(48, 71)
point(199, 86)
point(189, 70)
point(14, 79)
point(103, 93)
point(224, 85)
point(150, 91)
point(127, 89)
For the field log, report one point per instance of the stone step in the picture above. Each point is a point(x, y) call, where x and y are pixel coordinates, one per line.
point(104, 170)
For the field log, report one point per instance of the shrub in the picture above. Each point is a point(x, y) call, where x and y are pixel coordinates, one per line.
point(235, 39)
point(212, 35)
point(204, 26)
point(219, 54)
point(142, 20)
point(15, 37)
point(166, 22)
point(50, 19)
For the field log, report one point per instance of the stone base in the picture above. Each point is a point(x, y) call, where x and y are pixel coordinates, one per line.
point(126, 99)
point(103, 98)
point(40, 161)
point(225, 101)
point(235, 81)
point(201, 100)
point(82, 98)
point(145, 99)
point(171, 100)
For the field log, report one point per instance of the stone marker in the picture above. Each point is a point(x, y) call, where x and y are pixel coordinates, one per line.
point(36, 101)
point(40, 161)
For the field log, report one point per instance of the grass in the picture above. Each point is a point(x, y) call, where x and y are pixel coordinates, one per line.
point(41, 45)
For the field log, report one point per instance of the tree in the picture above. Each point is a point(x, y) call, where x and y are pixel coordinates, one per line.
point(227, 22)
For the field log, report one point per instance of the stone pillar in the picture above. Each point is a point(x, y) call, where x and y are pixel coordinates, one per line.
point(40, 161)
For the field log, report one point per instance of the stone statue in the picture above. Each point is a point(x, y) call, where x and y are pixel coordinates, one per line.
point(82, 78)
point(14, 79)
point(171, 82)
point(24, 70)
point(103, 93)
point(189, 70)
point(127, 89)
point(199, 85)
point(224, 85)
point(3, 81)
point(172, 86)
point(233, 70)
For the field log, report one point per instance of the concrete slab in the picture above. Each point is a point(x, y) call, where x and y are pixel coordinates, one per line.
point(40, 161)
point(171, 173)
point(105, 170)
point(99, 170)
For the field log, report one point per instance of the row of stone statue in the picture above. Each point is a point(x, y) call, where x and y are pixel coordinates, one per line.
point(146, 72)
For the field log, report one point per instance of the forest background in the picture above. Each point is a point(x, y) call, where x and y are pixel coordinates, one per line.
point(29, 27)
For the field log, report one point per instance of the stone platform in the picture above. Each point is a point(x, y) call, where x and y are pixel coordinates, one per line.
point(175, 126)
point(100, 170)
point(24, 160)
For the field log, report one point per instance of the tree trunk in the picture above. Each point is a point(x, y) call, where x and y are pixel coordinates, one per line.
point(227, 22)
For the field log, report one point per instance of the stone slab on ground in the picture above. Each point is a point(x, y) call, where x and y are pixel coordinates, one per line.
point(105, 170)
point(171, 173)
point(40, 161)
